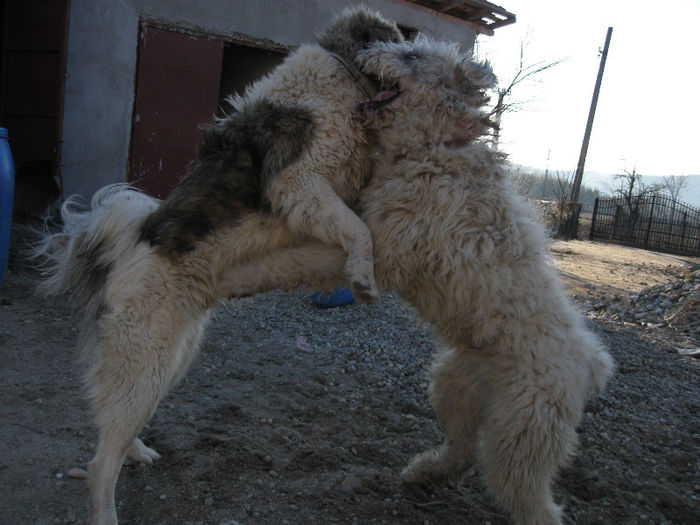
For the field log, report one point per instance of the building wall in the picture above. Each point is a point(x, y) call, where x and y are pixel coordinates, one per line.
point(102, 62)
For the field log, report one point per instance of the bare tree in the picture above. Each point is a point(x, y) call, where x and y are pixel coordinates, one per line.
point(523, 72)
point(632, 186)
point(633, 189)
point(562, 190)
point(555, 212)
point(673, 185)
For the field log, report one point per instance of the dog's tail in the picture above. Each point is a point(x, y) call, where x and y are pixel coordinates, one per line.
point(78, 258)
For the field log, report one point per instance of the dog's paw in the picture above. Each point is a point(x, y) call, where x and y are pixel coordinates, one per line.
point(421, 478)
point(138, 452)
point(431, 467)
point(365, 292)
point(436, 467)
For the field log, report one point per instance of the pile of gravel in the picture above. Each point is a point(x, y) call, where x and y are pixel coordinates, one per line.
point(674, 305)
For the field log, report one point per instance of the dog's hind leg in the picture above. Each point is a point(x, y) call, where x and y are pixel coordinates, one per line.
point(525, 439)
point(124, 404)
point(131, 397)
point(138, 358)
point(187, 351)
point(103, 471)
point(457, 395)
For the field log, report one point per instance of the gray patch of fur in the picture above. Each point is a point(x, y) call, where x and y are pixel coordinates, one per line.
point(237, 158)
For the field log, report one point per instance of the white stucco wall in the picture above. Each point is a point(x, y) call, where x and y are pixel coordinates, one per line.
point(102, 61)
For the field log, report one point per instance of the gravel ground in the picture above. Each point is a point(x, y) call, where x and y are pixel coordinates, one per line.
point(262, 431)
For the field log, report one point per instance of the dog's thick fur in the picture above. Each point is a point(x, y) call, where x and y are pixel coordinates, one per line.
point(310, 178)
point(451, 236)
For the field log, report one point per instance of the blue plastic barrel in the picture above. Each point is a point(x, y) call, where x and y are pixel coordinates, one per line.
point(7, 190)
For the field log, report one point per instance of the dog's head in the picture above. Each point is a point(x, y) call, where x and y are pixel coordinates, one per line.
point(354, 29)
point(430, 86)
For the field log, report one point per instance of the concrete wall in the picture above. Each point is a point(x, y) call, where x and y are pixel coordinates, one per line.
point(102, 60)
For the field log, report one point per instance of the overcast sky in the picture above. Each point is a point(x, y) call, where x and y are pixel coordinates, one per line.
point(648, 113)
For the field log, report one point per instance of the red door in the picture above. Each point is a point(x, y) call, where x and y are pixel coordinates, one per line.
point(177, 90)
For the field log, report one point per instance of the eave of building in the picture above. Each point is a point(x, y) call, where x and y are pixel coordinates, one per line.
point(484, 16)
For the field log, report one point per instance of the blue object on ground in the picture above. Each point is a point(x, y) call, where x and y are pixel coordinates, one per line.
point(7, 190)
point(340, 297)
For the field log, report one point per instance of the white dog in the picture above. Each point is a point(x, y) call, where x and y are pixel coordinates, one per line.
point(147, 273)
point(452, 237)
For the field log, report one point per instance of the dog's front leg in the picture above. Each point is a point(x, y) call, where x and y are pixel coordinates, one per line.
point(310, 206)
point(314, 266)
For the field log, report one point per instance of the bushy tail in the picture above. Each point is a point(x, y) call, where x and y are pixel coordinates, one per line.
point(78, 259)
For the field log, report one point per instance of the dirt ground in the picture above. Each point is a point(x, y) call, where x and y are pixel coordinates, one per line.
point(595, 269)
point(262, 431)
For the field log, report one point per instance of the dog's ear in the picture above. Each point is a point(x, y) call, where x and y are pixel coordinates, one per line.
point(354, 29)
point(365, 26)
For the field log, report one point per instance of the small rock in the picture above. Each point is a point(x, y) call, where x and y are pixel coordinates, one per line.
point(77, 473)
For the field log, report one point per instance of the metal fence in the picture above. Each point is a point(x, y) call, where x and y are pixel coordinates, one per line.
point(653, 223)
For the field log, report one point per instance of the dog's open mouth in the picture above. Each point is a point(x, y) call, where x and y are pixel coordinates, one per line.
point(381, 99)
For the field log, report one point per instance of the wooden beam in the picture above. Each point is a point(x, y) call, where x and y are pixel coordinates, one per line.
point(479, 28)
point(482, 15)
point(451, 5)
point(478, 14)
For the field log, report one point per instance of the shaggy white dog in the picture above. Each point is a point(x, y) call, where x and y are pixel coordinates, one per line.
point(451, 236)
point(147, 273)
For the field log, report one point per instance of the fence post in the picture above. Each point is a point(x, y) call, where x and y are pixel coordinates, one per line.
point(595, 210)
point(651, 217)
point(616, 222)
point(683, 225)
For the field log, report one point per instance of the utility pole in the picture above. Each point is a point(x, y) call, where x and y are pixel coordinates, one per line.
point(589, 124)
point(546, 172)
